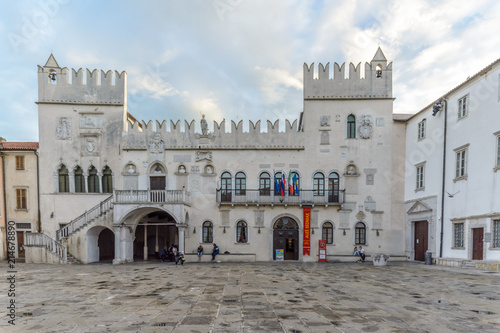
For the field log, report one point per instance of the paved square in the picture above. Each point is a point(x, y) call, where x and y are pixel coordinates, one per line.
point(254, 297)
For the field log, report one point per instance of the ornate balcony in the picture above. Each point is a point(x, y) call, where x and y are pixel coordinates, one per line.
point(152, 196)
point(265, 197)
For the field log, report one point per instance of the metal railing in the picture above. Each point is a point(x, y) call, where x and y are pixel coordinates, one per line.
point(43, 240)
point(84, 219)
point(151, 196)
point(266, 197)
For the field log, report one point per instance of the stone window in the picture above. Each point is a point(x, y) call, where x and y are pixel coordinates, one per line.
point(360, 234)
point(351, 127)
point(21, 198)
point(265, 184)
point(226, 187)
point(63, 177)
point(93, 180)
point(420, 177)
point(20, 162)
point(207, 232)
point(79, 180)
point(327, 232)
point(421, 130)
point(318, 184)
point(240, 183)
point(496, 233)
point(333, 187)
point(241, 232)
point(462, 107)
point(458, 235)
point(107, 180)
point(461, 163)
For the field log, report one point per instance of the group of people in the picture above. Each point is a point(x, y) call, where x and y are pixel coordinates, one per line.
point(215, 251)
point(359, 252)
point(169, 254)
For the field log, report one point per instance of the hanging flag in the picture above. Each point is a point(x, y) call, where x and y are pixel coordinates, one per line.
point(276, 184)
point(283, 183)
point(295, 183)
point(290, 184)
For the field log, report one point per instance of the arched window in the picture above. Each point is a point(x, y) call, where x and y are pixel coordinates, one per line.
point(265, 184)
point(319, 184)
point(378, 72)
point(79, 180)
point(333, 187)
point(207, 233)
point(93, 180)
point(63, 179)
point(327, 232)
point(360, 233)
point(351, 127)
point(226, 187)
point(241, 232)
point(240, 183)
point(107, 180)
point(294, 187)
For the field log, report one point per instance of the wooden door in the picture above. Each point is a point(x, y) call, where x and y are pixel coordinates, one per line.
point(421, 238)
point(477, 243)
point(287, 240)
point(157, 183)
point(20, 244)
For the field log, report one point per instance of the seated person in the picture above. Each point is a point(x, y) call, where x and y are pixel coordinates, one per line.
point(355, 252)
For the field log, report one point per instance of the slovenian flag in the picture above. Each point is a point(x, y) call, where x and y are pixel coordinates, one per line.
point(276, 184)
point(290, 184)
point(283, 183)
point(295, 183)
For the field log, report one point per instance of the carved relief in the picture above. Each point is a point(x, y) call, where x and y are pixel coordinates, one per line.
point(325, 138)
point(365, 126)
point(63, 130)
point(204, 125)
point(157, 145)
point(325, 121)
point(90, 145)
point(360, 215)
point(351, 170)
point(203, 155)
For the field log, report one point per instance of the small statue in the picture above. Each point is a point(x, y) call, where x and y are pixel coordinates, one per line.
point(204, 125)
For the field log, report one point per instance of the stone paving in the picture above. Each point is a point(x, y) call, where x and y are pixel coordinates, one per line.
point(252, 297)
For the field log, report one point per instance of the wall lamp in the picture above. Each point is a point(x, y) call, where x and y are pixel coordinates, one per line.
point(378, 232)
point(344, 232)
point(312, 231)
point(258, 231)
point(194, 230)
point(224, 231)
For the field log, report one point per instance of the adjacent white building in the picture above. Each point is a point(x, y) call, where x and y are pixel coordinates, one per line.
point(452, 186)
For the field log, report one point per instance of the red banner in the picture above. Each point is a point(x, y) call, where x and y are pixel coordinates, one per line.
point(306, 245)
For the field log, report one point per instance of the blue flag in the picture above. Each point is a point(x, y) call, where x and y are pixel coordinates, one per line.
point(276, 184)
point(295, 183)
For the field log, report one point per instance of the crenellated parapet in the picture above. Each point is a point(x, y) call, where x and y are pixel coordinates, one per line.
point(376, 82)
point(139, 136)
point(86, 87)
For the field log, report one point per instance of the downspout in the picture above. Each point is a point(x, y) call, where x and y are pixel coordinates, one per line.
point(5, 204)
point(444, 177)
point(38, 222)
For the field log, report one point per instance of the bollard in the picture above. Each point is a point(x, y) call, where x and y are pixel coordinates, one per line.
point(428, 258)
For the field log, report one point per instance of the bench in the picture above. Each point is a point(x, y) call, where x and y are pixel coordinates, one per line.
point(222, 257)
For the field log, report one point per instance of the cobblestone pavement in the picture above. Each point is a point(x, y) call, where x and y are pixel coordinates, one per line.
point(254, 297)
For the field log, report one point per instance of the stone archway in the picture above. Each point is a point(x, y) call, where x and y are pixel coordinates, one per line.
point(286, 239)
point(100, 244)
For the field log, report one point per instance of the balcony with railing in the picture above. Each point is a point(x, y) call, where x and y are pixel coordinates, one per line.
point(152, 197)
point(266, 197)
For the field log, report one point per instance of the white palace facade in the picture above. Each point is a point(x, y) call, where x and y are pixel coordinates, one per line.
point(115, 188)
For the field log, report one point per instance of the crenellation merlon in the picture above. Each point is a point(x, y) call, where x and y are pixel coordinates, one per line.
point(86, 86)
point(376, 82)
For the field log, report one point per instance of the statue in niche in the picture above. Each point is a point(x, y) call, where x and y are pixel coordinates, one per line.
point(157, 144)
point(131, 169)
point(204, 125)
point(208, 170)
point(63, 131)
point(351, 170)
point(365, 127)
point(182, 169)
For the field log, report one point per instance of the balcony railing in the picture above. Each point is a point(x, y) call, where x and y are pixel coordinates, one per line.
point(152, 196)
point(43, 240)
point(265, 197)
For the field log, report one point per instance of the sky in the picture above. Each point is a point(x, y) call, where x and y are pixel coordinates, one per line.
point(238, 59)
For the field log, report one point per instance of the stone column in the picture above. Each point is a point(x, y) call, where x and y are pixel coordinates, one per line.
point(157, 249)
point(145, 242)
point(181, 238)
point(118, 257)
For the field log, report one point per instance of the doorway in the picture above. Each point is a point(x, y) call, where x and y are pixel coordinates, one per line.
point(286, 238)
point(477, 243)
point(421, 239)
point(106, 244)
point(20, 244)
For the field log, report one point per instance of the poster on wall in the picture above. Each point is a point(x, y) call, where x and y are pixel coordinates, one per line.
point(280, 254)
point(307, 235)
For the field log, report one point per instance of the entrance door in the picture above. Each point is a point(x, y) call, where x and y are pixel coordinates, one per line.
point(20, 244)
point(421, 237)
point(157, 183)
point(477, 243)
point(287, 240)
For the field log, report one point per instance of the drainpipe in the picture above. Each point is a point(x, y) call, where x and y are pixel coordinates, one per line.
point(38, 227)
point(444, 177)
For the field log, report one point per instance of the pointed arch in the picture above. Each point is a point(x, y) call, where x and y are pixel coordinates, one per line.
point(93, 180)
point(107, 180)
point(351, 126)
point(63, 179)
point(79, 179)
